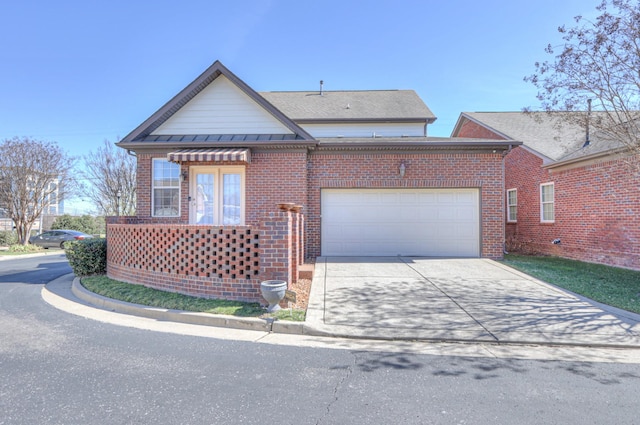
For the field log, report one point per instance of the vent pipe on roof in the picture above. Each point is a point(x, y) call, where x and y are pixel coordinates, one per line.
point(587, 141)
point(321, 83)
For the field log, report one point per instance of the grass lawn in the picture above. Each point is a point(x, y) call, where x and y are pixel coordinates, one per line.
point(139, 294)
point(608, 285)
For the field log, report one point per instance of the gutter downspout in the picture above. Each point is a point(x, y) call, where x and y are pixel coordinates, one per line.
point(504, 154)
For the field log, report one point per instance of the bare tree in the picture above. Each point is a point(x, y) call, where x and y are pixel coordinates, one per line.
point(32, 174)
point(111, 176)
point(599, 61)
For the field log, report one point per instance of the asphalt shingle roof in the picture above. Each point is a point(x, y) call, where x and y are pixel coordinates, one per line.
point(549, 134)
point(350, 105)
point(545, 133)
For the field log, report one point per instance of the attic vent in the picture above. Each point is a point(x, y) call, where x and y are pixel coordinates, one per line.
point(321, 84)
point(348, 106)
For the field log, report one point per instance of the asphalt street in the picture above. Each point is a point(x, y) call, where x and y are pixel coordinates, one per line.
point(61, 368)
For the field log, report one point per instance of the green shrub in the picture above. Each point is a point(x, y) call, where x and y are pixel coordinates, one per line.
point(24, 248)
point(88, 256)
point(8, 237)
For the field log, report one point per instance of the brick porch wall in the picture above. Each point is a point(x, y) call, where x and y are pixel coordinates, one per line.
point(205, 261)
point(438, 170)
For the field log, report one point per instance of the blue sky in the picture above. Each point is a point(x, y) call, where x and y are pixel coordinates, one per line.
point(80, 72)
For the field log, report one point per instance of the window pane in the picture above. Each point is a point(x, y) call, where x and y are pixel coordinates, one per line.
point(547, 201)
point(547, 193)
point(231, 199)
point(512, 204)
point(166, 202)
point(165, 173)
point(166, 188)
point(547, 212)
point(205, 197)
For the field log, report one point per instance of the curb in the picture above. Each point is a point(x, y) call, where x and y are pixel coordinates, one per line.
point(314, 325)
point(188, 317)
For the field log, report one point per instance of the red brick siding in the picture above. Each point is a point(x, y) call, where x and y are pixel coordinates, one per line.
point(475, 131)
point(284, 239)
point(276, 254)
point(273, 178)
point(596, 211)
point(459, 170)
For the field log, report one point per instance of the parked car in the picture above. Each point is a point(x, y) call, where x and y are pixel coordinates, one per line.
point(57, 238)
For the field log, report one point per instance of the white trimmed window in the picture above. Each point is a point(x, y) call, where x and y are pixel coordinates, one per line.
point(217, 196)
point(512, 205)
point(165, 192)
point(547, 206)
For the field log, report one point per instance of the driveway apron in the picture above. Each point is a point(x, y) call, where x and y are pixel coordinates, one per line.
point(456, 299)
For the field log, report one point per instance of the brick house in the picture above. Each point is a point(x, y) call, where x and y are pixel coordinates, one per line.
point(236, 186)
point(564, 196)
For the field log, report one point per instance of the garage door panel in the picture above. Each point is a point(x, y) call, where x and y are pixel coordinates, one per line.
point(428, 222)
point(465, 214)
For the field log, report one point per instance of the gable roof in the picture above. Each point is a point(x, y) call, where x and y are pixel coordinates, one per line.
point(351, 106)
point(189, 92)
point(545, 133)
point(548, 134)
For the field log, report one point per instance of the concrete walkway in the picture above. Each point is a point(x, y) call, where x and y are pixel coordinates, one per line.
point(413, 299)
point(456, 300)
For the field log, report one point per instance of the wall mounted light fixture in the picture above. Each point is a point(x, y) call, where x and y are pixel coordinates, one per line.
point(402, 169)
point(184, 175)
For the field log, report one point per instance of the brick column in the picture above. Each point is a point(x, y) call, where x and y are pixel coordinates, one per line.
point(276, 246)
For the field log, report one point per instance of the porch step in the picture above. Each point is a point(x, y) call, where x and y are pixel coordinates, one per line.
point(305, 271)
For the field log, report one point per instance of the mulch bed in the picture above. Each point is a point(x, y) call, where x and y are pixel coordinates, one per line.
point(302, 288)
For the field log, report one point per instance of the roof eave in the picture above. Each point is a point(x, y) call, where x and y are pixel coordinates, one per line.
point(585, 158)
point(418, 145)
point(464, 115)
point(138, 146)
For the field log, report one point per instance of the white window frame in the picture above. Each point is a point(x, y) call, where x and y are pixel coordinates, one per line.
point(510, 218)
point(551, 202)
point(218, 172)
point(155, 161)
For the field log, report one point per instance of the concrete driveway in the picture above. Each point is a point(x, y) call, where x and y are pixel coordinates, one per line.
point(455, 300)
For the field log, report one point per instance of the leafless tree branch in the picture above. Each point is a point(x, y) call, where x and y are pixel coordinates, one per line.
point(111, 177)
point(31, 172)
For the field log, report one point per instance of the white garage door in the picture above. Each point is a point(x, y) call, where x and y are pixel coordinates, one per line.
point(390, 222)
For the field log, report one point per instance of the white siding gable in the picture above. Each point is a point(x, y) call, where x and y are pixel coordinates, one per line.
point(365, 130)
point(221, 108)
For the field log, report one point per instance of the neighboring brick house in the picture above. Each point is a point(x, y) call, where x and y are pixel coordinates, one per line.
point(218, 158)
point(564, 196)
